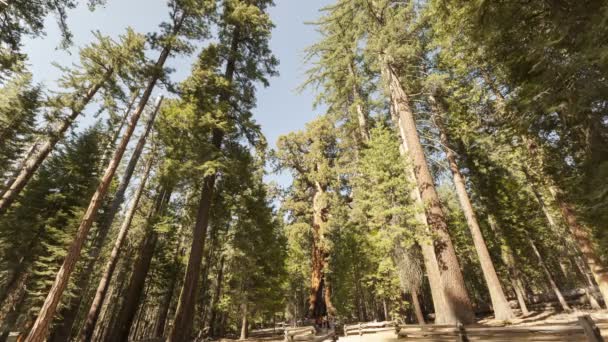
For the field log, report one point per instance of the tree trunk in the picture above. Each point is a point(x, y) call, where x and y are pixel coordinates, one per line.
point(185, 309)
point(133, 293)
point(10, 308)
point(429, 256)
point(385, 308)
point(502, 310)
point(457, 305)
point(45, 317)
point(216, 298)
point(10, 318)
point(508, 258)
point(244, 323)
point(93, 313)
point(40, 152)
point(184, 315)
point(112, 304)
point(112, 142)
point(362, 116)
point(417, 307)
point(163, 311)
point(317, 301)
point(583, 238)
point(63, 331)
point(554, 287)
point(14, 290)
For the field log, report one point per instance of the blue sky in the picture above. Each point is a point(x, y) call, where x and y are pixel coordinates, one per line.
point(281, 108)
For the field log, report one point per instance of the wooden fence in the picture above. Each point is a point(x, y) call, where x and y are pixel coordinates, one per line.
point(309, 334)
point(583, 330)
point(368, 328)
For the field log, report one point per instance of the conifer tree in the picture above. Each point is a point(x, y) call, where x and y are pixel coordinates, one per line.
point(101, 62)
point(44, 218)
point(244, 31)
point(187, 20)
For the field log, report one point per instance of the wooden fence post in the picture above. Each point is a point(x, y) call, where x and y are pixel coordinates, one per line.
point(360, 331)
point(462, 335)
point(591, 330)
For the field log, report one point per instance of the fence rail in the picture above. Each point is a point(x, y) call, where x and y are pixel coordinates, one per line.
point(309, 334)
point(583, 330)
point(368, 328)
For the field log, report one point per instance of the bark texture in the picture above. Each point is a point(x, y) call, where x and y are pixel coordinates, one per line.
point(184, 315)
point(558, 293)
point(417, 307)
point(70, 312)
point(501, 307)
point(456, 302)
point(134, 291)
point(583, 239)
point(104, 283)
point(40, 328)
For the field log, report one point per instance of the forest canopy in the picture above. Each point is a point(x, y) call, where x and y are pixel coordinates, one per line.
point(455, 170)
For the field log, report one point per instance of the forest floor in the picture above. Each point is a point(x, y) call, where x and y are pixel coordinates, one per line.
point(534, 318)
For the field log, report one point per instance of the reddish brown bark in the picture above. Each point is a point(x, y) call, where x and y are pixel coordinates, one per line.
point(134, 291)
point(184, 314)
point(582, 237)
point(70, 312)
point(93, 313)
point(501, 307)
point(40, 328)
point(456, 306)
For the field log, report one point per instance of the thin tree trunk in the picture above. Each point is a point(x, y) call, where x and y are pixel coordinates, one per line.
point(508, 258)
point(63, 331)
point(583, 238)
point(163, 311)
point(100, 294)
point(141, 314)
point(502, 310)
point(133, 293)
point(541, 262)
point(184, 315)
point(362, 117)
point(244, 323)
point(13, 290)
point(112, 142)
point(31, 165)
point(10, 308)
point(216, 298)
point(580, 233)
point(429, 256)
point(417, 307)
point(578, 262)
point(112, 304)
point(45, 317)
point(456, 303)
point(385, 307)
point(10, 318)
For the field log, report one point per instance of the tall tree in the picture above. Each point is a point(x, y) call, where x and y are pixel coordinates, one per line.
point(70, 312)
point(244, 32)
point(43, 220)
point(187, 20)
point(101, 62)
point(501, 307)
